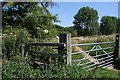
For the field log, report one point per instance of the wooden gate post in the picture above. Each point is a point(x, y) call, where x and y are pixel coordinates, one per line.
point(117, 48)
point(69, 50)
point(65, 38)
point(62, 39)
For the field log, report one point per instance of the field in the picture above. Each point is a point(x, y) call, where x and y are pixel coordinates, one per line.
point(98, 38)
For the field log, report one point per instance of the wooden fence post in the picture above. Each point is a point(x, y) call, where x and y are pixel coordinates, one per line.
point(65, 38)
point(62, 39)
point(69, 50)
point(117, 48)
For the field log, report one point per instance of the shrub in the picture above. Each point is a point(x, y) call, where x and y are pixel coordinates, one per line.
point(13, 39)
point(45, 34)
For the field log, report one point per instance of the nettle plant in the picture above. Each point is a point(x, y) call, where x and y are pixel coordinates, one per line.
point(13, 38)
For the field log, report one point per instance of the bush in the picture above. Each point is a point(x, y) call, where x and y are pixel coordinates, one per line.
point(46, 34)
point(13, 39)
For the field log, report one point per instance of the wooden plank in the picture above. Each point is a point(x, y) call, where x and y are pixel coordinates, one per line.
point(48, 44)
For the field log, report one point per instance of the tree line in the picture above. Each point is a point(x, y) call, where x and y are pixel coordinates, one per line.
point(86, 23)
point(35, 17)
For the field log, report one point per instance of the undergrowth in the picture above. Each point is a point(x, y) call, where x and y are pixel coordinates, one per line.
point(22, 69)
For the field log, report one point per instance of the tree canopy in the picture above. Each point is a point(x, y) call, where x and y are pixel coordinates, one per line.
point(86, 21)
point(30, 15)
point(108, 25)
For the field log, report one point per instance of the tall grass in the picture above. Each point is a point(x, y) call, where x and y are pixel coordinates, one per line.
point(89, 39)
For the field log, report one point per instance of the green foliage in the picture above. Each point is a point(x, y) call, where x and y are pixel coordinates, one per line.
point(13, 12)
point(36, 24)
point(108, 25)
point(13, 39)
point(22, 69)
point(86, 21)
point(31, 16)
point(117, 63)
point(62, 29)
point(72, 30)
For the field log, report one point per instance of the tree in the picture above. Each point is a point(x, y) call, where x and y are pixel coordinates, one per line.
point(13, 13)
point(30, 15)
point(108, 25)
point(71, 30)
point(86, 21)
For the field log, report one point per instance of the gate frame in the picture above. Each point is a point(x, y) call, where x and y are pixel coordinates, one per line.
point(117, 48)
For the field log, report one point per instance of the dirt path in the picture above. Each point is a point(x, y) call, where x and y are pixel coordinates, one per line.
point(92, 59)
